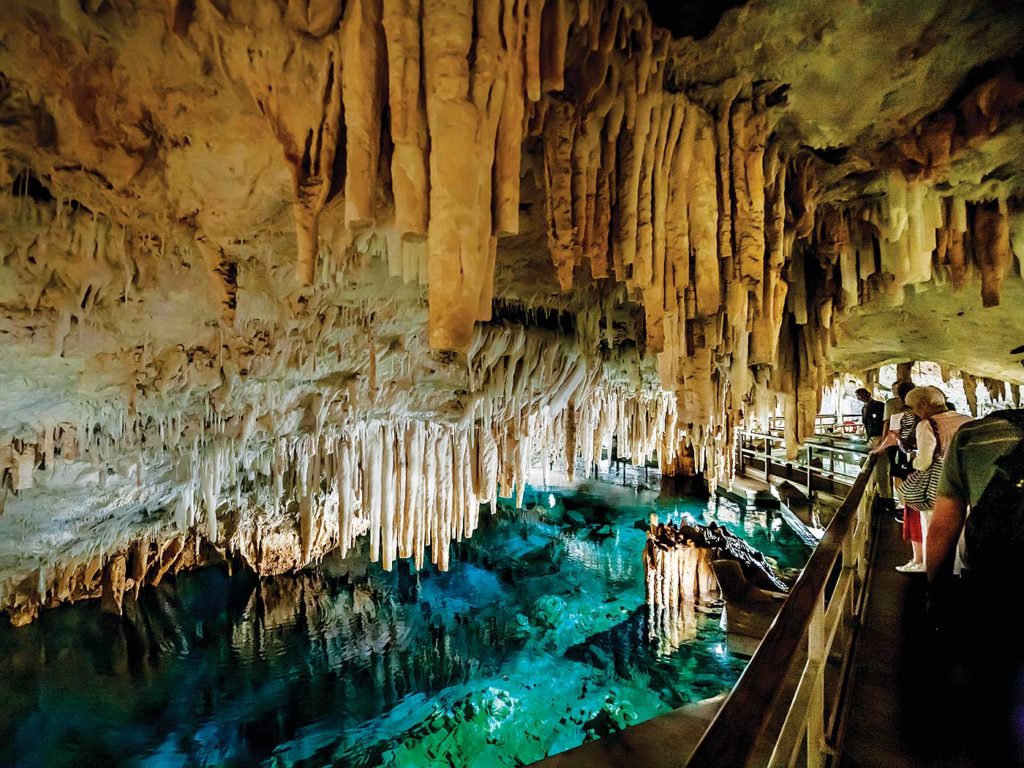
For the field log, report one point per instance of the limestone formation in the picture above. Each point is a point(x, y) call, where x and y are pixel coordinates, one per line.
point(278, 276)
point(680, 567)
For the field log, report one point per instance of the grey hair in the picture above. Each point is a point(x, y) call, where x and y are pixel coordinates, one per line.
point(926, 396)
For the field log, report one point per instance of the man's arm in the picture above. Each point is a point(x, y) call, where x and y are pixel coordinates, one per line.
point(943, 533)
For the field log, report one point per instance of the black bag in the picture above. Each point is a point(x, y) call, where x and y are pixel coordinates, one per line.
point(899, 463)
point(994, 533)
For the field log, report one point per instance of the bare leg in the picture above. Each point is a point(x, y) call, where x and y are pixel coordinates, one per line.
point(918, 549)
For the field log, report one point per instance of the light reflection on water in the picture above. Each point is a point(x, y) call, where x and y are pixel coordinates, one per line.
point(533, 642)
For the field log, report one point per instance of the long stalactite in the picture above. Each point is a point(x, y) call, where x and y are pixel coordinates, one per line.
point(472, 239)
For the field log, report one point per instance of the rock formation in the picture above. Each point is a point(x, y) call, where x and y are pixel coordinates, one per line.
point(282, 274)
point(684, 565)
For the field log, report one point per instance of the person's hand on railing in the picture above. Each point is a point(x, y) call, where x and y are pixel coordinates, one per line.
point(891, 439)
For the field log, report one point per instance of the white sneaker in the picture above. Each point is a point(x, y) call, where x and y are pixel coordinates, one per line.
point(911, 567)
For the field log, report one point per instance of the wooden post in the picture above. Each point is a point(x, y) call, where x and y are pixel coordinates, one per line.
point(810, 486)
point(816, 653)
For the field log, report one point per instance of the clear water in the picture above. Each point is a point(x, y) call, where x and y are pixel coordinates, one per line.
point(532, 643)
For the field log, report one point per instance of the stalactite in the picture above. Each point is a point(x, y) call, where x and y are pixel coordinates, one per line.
point(463, 108)
point(554, 37)
point(710, 241)
point(401, 20)
point(702, 214)
point(749, 130)
point(362, 90)
point(971, 392)
point(508, 156)
point(992, 251)
point(725, 181)
point(560, 125)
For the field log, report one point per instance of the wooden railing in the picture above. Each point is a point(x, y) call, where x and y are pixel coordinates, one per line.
point(785, 709)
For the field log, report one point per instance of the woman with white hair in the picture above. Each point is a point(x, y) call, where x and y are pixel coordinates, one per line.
point(935, 429)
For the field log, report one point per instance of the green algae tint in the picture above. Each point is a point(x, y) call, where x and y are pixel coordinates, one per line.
point(534, 642)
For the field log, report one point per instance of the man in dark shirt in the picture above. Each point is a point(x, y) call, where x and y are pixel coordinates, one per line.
point(873, 418)
point(872, 414)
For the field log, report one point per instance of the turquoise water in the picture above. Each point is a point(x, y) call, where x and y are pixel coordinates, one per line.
point(534, 642)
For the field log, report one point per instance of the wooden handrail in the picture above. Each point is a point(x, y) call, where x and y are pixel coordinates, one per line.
point(735, 729)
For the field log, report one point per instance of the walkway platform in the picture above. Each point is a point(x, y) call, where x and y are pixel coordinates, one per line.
point(748, 491)
point(662, 742)
point(900, 710)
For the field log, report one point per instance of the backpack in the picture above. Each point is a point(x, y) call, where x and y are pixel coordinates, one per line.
point(994, 533)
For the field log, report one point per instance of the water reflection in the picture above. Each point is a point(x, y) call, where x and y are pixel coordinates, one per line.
point(533, 642)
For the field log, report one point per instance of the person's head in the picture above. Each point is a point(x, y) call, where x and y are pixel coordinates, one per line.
point(902, 388)
point(863, 395)
point(926, 401)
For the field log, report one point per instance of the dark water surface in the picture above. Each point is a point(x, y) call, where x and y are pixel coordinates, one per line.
point(533, 642)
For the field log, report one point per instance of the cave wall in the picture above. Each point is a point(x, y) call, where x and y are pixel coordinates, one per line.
point(277, 275)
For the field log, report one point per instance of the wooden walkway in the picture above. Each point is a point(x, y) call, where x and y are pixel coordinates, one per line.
point(901, 711)
point(905, 705)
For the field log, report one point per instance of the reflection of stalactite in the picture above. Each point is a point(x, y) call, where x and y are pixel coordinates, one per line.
point(358, 629)
point(679, 573)
point(110, 576)
point(668, 627)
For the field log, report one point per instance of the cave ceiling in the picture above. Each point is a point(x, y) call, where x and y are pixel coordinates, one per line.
point(248, 250)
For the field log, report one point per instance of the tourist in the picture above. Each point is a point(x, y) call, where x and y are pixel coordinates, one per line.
point(901, 444)
point(874, 428)
point(896, 447)
point(883, 464)
point(935, 430)
point(983, 473)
